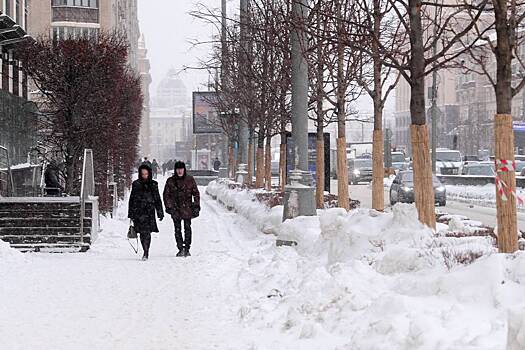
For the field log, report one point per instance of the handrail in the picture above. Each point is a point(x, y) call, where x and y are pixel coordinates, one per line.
point(87, 187)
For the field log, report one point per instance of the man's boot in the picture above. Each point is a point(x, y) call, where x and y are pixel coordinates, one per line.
point(180, 243)
point(187, 237)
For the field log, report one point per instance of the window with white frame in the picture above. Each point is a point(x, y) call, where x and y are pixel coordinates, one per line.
point(63, 32)
point(76, 3)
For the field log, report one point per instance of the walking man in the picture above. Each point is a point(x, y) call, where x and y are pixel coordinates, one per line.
point(146, 162)
point(182, 201)
point(155, 168)
point(216, 164)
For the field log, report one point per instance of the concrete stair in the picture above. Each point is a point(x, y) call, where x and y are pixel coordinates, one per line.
point(35, 223)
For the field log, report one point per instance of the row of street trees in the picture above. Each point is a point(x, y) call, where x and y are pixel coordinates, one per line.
point(366, 47)
point(90, 98)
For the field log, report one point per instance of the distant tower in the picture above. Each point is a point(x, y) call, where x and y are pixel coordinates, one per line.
point(145, 78)
point(171, 91)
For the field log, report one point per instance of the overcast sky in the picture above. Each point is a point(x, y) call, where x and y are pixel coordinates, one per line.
point(169, 28)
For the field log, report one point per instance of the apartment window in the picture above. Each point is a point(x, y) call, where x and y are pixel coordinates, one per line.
point(18, 10)
point(76, 3)
point(62, 33)
point(26, 13)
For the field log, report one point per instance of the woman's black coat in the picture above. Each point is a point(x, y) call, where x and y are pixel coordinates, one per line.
point(143, 202)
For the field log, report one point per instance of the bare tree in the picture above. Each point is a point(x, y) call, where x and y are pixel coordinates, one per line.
point(427, 25)
point(376, 30)
point(499, 58)
point(90, 99)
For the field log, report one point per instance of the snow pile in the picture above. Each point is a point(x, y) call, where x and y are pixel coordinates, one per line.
point(387, 182)
point(369, 280)
point(359, 235)
point(374, 283)
point(479, 195)
point(8, 254)
point(244, 202)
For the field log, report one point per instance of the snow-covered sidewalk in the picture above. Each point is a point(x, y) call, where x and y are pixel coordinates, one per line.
point(108, 299)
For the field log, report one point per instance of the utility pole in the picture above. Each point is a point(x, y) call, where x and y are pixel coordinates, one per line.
point(299, 86)
point(523, 106)
point(434, 110)
point(223, 40)
point(299, 200)
point(224, 54)
point(243, 127)
point(388, 148)
point(434, 99)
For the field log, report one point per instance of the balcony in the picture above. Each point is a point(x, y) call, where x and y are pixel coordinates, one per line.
point(75, 14)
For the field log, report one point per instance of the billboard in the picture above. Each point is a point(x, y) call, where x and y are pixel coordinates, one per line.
point(205, 113)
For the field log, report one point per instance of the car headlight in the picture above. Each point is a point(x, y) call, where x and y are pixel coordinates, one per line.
point(407, 189)
point(357, 172)
point(440, 189)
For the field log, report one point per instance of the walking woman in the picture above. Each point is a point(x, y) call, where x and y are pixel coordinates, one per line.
point(143, 202)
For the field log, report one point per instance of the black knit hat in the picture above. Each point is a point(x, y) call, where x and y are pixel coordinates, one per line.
point(145, 166)
point(180, 165)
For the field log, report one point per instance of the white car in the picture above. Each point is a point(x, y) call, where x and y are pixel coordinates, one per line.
point(399, 161)
point(449, 162)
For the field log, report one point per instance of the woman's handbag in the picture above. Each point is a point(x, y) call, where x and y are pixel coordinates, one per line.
point(132, 234)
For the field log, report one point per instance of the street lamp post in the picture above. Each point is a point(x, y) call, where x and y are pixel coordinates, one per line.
point(243, 131)
point(299, 199)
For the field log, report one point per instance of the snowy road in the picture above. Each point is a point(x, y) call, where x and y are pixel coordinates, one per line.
point(486, 215)
point(108, 299)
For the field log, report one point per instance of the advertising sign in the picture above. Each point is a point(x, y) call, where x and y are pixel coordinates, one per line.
point(205, 113)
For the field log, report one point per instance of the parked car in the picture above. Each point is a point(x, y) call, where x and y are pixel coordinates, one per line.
point(479, 168)
point(448, 162)
point(399, 161)
point(360, 170)
point(402, 189)
point(520, 167)
point(471, 158)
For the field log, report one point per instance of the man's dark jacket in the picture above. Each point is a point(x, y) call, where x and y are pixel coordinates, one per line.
point(180, 194)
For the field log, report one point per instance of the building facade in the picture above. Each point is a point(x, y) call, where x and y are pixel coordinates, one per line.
point(86, 18)
point(171, 120)
point(125, 21)
point(171, 134)
point(477, 107)
point(61, 19)
point(448, 110)
point(13, 20)
point(18, 117)
point(145, 80)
